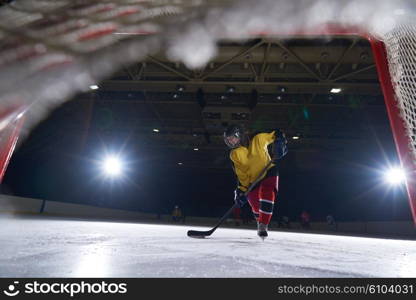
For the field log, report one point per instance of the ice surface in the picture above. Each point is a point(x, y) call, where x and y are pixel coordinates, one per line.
point(53, 247)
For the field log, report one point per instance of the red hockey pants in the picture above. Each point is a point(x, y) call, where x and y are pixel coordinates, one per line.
point(262, 199)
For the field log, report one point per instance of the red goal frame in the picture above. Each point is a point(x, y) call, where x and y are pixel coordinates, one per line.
point(9, 134)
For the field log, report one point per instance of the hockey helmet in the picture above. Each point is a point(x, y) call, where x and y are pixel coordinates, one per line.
point(234, 136)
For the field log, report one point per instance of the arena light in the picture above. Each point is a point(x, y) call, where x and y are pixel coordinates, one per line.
point(395, 176)
point(180, 88)
point(94, 87)
point(155, 130)
point(230, 89)
point(335, 90)
point(112, 166)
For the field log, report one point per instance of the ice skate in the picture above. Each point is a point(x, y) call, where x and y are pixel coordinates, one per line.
point(262, 230)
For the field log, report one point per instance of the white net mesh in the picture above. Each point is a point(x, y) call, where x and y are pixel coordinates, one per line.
point(401, 49)
point(46, 47)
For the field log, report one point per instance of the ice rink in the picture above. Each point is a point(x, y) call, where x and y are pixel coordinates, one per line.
point(54, 247)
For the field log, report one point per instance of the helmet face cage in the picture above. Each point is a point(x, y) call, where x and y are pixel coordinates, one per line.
point(232, 137)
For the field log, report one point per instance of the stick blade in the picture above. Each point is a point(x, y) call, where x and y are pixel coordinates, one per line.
point(198, 234)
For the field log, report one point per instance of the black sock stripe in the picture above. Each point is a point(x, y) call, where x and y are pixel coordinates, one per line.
point(266, 206)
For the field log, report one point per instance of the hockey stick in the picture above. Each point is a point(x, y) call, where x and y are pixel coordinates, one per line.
point(202, 234)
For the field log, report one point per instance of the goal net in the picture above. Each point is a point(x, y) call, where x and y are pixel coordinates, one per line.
point(53, 49)
point(401, 55)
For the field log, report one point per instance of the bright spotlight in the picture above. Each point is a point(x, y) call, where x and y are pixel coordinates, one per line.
point(112, 166)
point(395, 176)
point(335, 90)
point(94, 87)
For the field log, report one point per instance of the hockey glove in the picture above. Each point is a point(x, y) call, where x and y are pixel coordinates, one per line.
point(239, 197)
point(280, 145)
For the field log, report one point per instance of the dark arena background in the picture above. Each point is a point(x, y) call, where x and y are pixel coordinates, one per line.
point(344, 140)
point(113, 113)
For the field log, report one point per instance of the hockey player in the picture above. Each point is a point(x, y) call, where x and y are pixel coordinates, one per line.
point(250, 157)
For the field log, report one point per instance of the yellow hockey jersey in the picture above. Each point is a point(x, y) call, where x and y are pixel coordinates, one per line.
point(249, 162)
